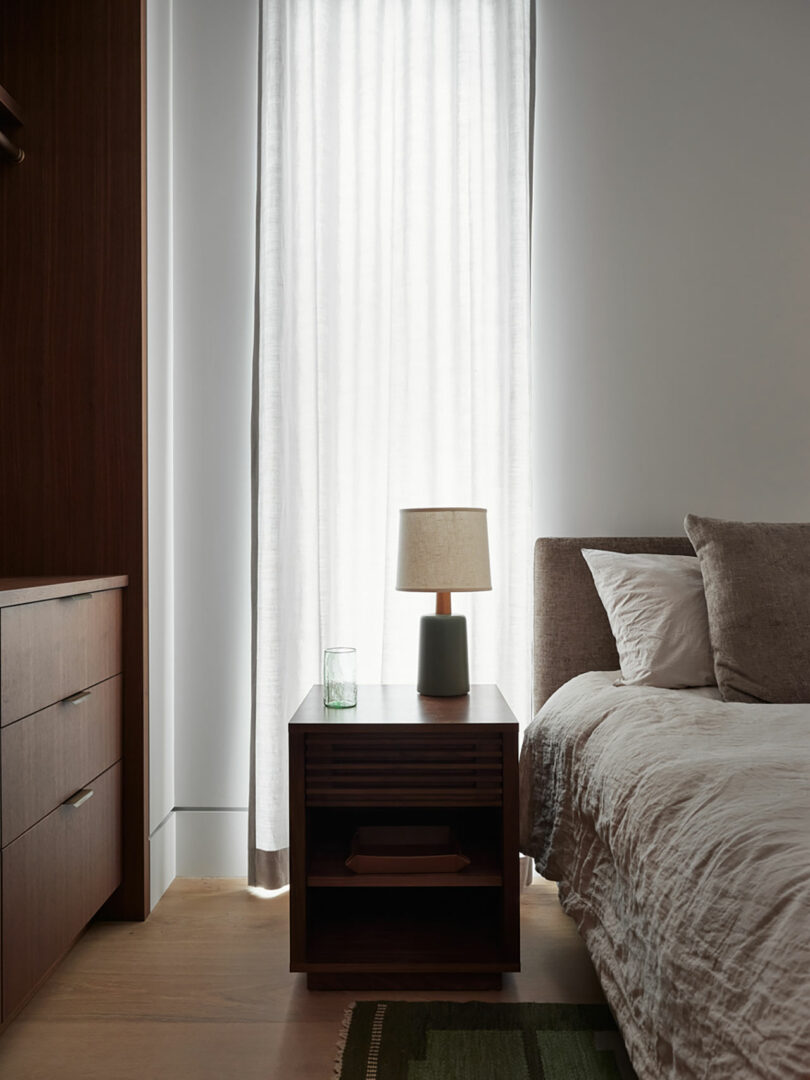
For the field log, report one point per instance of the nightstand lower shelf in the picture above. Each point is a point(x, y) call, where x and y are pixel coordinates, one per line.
point(395, 931)
point(395, 926)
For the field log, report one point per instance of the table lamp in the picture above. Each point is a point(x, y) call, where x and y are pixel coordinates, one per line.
point(443, 550)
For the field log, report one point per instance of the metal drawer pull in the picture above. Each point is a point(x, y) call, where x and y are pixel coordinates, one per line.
point(80, 797)
point(79, 596)
point(77, 699)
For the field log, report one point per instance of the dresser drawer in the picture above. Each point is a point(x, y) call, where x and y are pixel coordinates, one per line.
point(48, 756)
point(55, 877)
point(54, 648)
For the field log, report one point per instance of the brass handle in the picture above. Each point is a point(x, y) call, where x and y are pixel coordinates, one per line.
point(77, 699)
point(80, 797)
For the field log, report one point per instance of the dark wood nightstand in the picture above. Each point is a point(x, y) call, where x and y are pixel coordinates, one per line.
point(402, 759)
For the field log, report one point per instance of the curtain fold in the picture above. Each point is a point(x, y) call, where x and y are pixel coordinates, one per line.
point(392, 360)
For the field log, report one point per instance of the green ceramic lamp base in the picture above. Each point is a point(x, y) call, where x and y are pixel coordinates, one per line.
point(443, 668)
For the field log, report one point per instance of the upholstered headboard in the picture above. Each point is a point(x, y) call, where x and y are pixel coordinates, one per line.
point(571, 630)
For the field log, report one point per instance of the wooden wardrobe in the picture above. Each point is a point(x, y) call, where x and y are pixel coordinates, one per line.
point(72, 337)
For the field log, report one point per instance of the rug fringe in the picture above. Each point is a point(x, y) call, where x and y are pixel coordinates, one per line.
point(341, 1043)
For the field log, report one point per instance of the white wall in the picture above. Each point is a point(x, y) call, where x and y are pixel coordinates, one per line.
point(200, 408)
point(672, 329)
point(215, 102)
point(160, 455)
point(672, 263)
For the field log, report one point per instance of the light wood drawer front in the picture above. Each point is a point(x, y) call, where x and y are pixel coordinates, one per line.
point(55, 877)
point(55, 648)
point(50, 755)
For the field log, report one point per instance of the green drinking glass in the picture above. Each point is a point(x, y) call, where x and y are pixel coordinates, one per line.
point(340, 678)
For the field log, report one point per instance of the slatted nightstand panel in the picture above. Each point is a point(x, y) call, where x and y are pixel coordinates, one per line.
point(403, 769)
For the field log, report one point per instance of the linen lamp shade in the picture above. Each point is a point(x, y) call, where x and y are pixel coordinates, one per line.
point(443, 550)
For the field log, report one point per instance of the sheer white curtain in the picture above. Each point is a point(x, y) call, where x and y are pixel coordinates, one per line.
point(393, 343)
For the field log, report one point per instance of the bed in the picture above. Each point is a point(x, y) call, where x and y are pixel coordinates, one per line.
point(677, 826)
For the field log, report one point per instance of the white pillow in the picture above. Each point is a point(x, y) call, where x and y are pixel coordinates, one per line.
point(657, 611)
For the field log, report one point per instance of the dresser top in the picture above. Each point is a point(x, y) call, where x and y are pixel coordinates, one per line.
point(27, 590)
point(403, 705)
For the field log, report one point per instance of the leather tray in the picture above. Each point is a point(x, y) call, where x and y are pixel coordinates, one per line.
point(405, 849)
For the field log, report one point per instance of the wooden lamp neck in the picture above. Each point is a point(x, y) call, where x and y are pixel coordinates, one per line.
point(443, 603)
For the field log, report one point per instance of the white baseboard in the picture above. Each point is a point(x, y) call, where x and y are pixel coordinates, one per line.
point(211, 843)
point(162, 859)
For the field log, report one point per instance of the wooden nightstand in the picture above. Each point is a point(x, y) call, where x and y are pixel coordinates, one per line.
point(402, 759)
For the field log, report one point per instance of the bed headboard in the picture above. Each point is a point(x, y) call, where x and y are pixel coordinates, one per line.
point(571, 630)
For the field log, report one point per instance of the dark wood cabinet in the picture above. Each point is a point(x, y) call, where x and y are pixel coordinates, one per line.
point(400, 760)
point(60, 759)
point(73, 336)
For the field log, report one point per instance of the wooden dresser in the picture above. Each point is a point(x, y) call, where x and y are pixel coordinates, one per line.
point(60, 769)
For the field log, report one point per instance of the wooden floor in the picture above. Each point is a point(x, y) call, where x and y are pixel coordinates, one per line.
point(201, 991)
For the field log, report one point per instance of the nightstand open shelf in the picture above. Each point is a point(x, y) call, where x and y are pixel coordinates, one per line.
point(477, 831)
point(403, 760)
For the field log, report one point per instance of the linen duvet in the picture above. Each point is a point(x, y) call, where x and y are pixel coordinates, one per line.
point(678, 828)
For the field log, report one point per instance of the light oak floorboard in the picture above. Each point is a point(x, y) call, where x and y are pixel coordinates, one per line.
point(201, 991)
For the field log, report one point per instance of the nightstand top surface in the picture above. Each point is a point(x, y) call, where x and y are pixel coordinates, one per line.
point(403, 705)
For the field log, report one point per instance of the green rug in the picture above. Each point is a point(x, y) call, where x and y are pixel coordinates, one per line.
point(474, 1040)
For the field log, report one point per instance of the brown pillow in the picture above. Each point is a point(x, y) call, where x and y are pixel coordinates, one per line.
point(757, 582)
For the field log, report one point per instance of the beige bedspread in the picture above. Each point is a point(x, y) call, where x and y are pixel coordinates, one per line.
point(678, 827)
